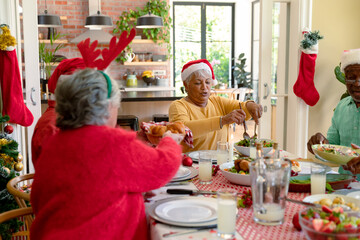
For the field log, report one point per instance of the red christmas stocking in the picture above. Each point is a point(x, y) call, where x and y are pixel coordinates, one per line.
point(11, 91)
point(304, 87)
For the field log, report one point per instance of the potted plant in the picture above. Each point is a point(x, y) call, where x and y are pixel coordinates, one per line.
point(241, 76)
point(127, 21)
point(340, 76)
point(47, 55)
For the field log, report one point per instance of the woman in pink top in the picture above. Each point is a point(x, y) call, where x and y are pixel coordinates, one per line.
point(92, 187)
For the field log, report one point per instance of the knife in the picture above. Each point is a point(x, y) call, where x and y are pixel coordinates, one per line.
point(187, 191)
point(173, 234)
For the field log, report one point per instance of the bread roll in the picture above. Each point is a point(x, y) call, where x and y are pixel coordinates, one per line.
point(176, 127)
point(157, 130)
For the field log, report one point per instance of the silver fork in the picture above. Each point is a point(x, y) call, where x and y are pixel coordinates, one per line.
point(255, 135)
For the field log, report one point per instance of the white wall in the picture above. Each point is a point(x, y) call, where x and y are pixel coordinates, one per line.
point(339, 23)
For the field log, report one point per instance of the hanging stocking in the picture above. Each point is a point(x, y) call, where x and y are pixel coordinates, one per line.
point(304, 87)
point(11, 91)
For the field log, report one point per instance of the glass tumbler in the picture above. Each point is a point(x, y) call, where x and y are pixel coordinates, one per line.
point(222, 152)
point(318, 179)
point(205, 167)
point(226, 221)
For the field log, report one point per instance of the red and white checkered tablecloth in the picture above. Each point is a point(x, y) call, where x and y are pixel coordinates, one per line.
point(245, 224)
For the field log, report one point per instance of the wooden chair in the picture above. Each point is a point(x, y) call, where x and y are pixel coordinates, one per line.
point(20, 197)
point(5, 216)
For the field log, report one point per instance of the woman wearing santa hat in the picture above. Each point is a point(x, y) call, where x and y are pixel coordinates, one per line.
point(208, 117)
point(345, 124)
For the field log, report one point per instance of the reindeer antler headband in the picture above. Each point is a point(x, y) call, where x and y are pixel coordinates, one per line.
point(90, 53)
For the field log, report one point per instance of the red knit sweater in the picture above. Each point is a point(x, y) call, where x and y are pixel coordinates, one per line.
point(89, 182)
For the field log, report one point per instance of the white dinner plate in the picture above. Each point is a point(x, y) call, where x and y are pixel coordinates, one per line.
point(187, 211)
point(193, 173)
point(182, 173)
point(151, 211)
point(195, 155)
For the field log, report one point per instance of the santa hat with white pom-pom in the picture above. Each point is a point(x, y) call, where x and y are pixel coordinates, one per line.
point(201, 64)
point(350, 57)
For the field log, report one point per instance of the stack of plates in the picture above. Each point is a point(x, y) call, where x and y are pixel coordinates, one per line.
point(195, 155)
point(185, 173)
point(185, 211)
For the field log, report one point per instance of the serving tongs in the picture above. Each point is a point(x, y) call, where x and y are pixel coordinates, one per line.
point(245, 134)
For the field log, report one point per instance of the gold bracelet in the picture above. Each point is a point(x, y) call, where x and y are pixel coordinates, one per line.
point(221, 125)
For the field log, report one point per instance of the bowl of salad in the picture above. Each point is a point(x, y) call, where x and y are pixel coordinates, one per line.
point(335, 153)
point(330, 224)
point(243, 146)
point(236, 175)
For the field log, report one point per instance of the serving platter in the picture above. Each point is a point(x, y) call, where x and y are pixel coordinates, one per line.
point(336, 181)
point(318, 197)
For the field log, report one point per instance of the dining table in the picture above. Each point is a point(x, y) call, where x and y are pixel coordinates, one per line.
point(246, 228)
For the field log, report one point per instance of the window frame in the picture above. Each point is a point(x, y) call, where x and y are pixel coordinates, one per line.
point(203, 6)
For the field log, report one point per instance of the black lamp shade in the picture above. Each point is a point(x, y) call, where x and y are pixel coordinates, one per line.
point(48, 20)
point(149, 21)
point(98, 21)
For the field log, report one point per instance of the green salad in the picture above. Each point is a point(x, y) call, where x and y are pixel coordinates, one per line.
point(247, 142)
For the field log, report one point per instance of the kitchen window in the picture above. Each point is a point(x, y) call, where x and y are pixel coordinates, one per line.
point(204, 30)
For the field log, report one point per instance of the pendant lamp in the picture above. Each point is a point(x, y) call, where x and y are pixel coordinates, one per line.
point(149, 20)
point(48, 20)
point(98, 21)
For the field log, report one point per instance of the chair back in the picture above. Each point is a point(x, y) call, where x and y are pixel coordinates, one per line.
point(20, 197)
point(5, 216)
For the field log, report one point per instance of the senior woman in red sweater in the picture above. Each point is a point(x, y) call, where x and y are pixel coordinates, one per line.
point(92, 189)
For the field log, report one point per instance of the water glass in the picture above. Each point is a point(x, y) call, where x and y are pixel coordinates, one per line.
point(318, 179)
point(269, 184)
point(226, 211)
point(205, 167)
point(222, 152)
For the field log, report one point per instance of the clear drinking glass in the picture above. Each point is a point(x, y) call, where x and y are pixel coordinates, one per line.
point(269, 184)
point(226, 204)
point(222, 152)
point(318, 179)
point(205, 167)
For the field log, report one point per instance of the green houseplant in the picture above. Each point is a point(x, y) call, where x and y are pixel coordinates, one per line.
point(340, 76)
point(127, 21)
point(241, 76)
point(47, 54)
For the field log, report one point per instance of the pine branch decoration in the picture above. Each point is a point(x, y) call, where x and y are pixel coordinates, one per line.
point(310, 39)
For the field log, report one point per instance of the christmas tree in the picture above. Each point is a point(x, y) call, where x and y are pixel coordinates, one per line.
point(10, 164)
